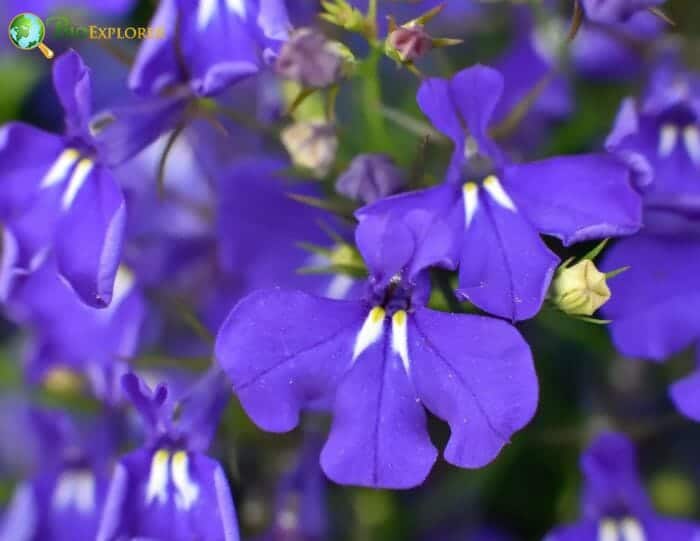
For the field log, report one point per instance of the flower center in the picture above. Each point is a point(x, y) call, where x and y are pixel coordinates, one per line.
point(170, 477)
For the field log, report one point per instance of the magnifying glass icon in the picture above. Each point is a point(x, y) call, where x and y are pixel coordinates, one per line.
point(27, 32)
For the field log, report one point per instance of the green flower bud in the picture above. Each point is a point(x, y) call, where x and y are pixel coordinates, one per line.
point(311, 145)
point(580, 289)
point(342, 14)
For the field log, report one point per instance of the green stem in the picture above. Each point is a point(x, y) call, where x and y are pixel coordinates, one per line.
point(372, 19)
point(372, 98)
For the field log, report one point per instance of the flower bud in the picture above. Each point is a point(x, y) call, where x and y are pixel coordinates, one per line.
point(346, 256)
point(409, 42)
point(370, 177)
point(342, 14)
point(311, 145)
point(310, 59)
point(580, 289)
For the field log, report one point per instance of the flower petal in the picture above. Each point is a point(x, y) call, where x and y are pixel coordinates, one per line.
point(205, 511)
point(287, 349)
point(90, 233)
point(653, 305)
point(686, 397)
point(576, 198)
point(477, 374)
point(27, 156)
point(71, 79)
point(505, 267)
point(156, 66)
point(379, 435)
point(408, 232)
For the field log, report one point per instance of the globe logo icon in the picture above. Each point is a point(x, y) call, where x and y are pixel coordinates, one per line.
point(27, 32)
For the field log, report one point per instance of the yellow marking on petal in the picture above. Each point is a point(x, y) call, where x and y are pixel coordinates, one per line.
point(493, 186)
point(371, 331)
point(60, 168)
point(377, 314)
point(399, 338)
point(76, 182)
point(400, 317)
point(470, 196)
point(607, 530)
point(157, 488)
point(187, 491)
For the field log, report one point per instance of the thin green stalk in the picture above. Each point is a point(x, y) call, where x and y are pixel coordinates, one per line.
point(372, 97)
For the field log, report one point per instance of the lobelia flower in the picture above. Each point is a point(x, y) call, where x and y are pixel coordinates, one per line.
point(614, 51)
point(63, 500)
point(615, 11)
point(209, 45)
point(370, 177)
point(59, 197)
point(496, 210)
point(385, 358)
point(70, 335)
point(660, 136)
point(614, 503)
point(170, 489)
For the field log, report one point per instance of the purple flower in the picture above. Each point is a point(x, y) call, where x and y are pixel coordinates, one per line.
point(614, 11)
point(653, 310)
point(659, 136)
point(386, 358)
point(497, 210)
point(653, 307)
point(370, 177)
point(170, 489)
point(68, 334)
point(614, 504)
point(209, 45)
point(64, 499)
point(613, 51)
point(58, 196)
point(309, 59)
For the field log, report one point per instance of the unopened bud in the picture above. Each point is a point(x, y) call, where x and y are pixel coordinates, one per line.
point(63, 381)
point(340, 13)
point(370, 177)
point(580, 289)
point(310, 59)
point(409, 43)
point(311, 145)
point(344, 255)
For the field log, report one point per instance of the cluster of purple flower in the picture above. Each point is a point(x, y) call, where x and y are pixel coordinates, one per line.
point(171, 206)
